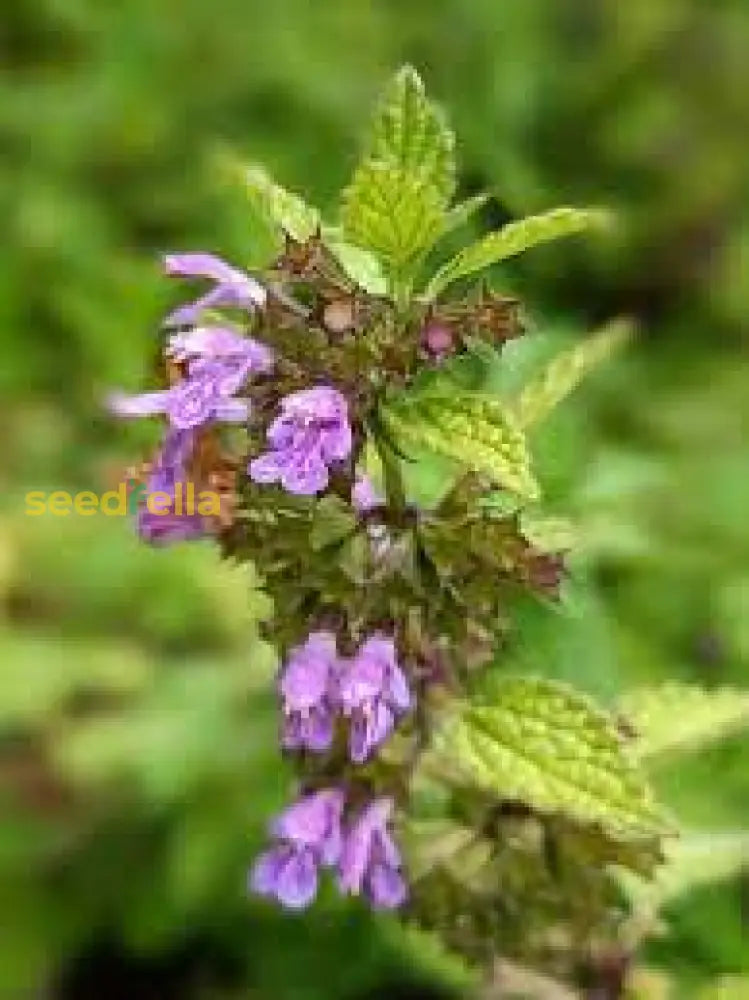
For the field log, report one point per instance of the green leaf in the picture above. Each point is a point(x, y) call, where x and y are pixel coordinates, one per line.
point(396, 202)
point(513, 239)
point(692, 860)
point(549, 534)
point(360, 265)
point(564, 372)
point(462, 213)
point(410, 132)
point(475, 431)
point(392, 212)
point(542, 744)
point(332, 521)
point(677, 716)
point(285, 209)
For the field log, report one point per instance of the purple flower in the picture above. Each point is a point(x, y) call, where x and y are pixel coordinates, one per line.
point(213, 377)
point(373, 691)
point(309, 835)
point(169, 469)
point(231, 286)
point(307, 691)
point(220, 342)
point(311, 433)
point(364, 496)
point(370, 860)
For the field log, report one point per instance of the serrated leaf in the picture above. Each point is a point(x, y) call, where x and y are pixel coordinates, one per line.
point(287, 210)
point(410, 132)
point(677, 716)
point(392, 212)
point(564, 373)
point(475, 431)
point(513, 239)
point(547, 746)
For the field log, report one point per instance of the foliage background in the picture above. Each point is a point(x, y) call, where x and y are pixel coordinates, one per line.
point(137, 753)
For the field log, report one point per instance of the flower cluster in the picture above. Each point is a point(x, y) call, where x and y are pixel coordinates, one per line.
point(312, 834)
point(369, 690)
point(211, 366)
point(344, 706)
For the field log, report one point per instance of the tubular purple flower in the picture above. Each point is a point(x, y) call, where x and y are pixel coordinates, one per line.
point(219, 362)
point(370, 861)
point(170, 468)
point(311, 434)
point(232, 287)
point(309, 835)
point(218, 342)
point(307, 688)
point(374, 692)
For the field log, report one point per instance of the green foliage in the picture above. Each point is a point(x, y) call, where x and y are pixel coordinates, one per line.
point(642, 104)
point(512, 239)
point(286, 210)
point(393, 212)
point(691, 861)
point(476, 432)
point(409, 131)
point(564, 372)
point(540, 743)
point(396, 203)
point(677, 716)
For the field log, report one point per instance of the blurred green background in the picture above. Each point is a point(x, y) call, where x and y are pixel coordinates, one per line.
point(137, 746)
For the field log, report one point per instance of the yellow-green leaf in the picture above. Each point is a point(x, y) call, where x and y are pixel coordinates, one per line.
point(392, 212)
point(542, 744)
point(477, 432)
point(513, 239)
point(566, 371)
point(691, 861)
point(360, 265)
point(410, 132)
point(676, 716)
point(287, 210)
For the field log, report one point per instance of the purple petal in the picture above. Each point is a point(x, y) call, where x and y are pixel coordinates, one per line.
point(361, 682)
point(364, 496)
point(313, 731)
point(231, 411)
point(308, 674)
point(305, 477)
point(265, 468)
point(398, 692)
point(296, 882)
point(369, 728)
point(386, 887)
point(215, 342)
point(190, 404)
point(312, 821)
point(144, 404)
point(360, 843)
point(288, 874)
point(168, 528)
point(264, 873)
point(201, 265)
point(191, 312)
point(337, 442)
